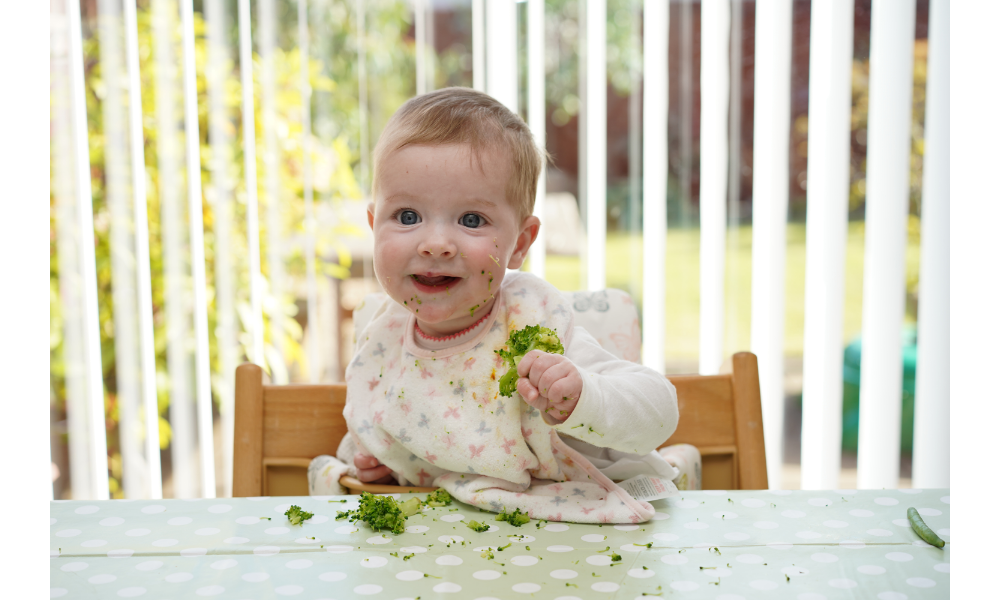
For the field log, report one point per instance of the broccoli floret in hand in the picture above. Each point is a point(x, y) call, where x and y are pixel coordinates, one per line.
point(521, 342)
point(296, 515)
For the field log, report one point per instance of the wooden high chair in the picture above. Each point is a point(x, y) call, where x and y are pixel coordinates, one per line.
point(280, 429)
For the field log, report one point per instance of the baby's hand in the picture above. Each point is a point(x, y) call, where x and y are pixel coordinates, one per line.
point(549, 382)
point(370, 470)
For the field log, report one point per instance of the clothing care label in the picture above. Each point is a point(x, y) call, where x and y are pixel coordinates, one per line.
point(644, 487)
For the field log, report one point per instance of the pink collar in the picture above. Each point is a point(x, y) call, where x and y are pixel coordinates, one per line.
point(453, 336)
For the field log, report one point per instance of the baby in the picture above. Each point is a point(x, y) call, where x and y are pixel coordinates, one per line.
point(454, 180)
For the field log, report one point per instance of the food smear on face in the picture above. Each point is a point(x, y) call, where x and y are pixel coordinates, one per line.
point(472, 311)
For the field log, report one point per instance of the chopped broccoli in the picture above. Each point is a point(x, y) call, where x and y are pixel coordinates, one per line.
point(615, 557)
point(487, 554)
point(439, 497)
point(380, 512)
point(522, 341)
point(516, 518)
point(296, 515)
point(410, 507)
point(477, 526)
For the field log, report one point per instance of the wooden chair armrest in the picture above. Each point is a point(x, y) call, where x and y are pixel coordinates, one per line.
point(356, 487)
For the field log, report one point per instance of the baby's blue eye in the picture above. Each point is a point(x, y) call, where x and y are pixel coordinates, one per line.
point(408, 217)
point(472, 220)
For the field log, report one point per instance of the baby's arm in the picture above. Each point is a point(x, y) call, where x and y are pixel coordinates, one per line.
point(622, 405)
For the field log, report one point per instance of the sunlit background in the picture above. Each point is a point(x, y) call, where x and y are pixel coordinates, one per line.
point(210, 172)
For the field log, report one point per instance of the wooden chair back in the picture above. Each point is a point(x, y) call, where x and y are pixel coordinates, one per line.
point(279, 429)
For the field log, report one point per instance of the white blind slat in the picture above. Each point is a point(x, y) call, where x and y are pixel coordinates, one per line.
point(537, 119)
point(596, 119)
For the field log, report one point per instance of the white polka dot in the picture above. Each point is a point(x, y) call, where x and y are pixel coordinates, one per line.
point(824, 557)
point(521, 539)
point(165, 543)
point(920, 544)
point(177, 521)
point(908, 491)
point(378, 540)
point(696, 525)
point(236, 540)
point(605, 586)
point(339, 549)
point(794, 571)
point(808, 535)
point(308, 540)
point(269, 550)
point(524, 561)
point(593, 537)
point(210, 590)
point(94, 543)
point(487, 575)
point(373, 562)
point(793, 514)
point(332, 576)
point(99, 579)
point(149, 565)
point(447, 587)
point(729, 597)
point(299, 564)
point(57, 592)
point(87, 510)
point(220, 508)
point(131, 592)
point(153, 509)
point(871, 569)
point(810, 596)
point(560, 548)
point(256, 577)
point(946, 499)
point(899, 556)
point(846, 492)
point(892, 596)
point(224, 564)
point(779, 545)
point(943, 567)
point(750, 559)
point(842, 584)
point(112, 521)
point(345, 529)
point(722, 514)
point(449, 560)
point(641, 573)
point(179, 577)
point(556, 527)
point(288, 590)
point(206, 531)
point(526, 588)
point(765, 525)
point(54, 553)
point(65, 533)
point(674, 559)
point(735, 536)
point(451, 539)
point(402, 576)
point(929, 512)
point(415, 549)
point(120, 553)
point(901, 523)
point(921, 582)
point(944, 531)
point(659, 516)
point(685, 503)
point(276, 530)
point(835, 524)
point(632, 548)
point(282, 508)
point(318, 519)
point(191, 552)
point(860, 512)
point(563, 574)
point(666, 537)
point(599, 560)
point(886, 501)
point(241, 521)
point(753, 503)
point(879, 532)
point(763, 585)
point(416, 529)
point(73, 567)
point(452, 518)
point(852, 544)
point(684, 586)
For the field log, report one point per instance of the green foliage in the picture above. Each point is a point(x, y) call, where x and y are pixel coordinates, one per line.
point(521, 342)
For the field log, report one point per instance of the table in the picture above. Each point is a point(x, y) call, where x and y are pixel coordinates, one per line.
point(725, 545)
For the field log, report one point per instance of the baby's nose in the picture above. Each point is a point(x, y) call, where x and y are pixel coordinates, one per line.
point(441, 248)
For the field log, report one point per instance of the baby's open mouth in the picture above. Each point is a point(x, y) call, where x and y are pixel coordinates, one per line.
point(436, 281)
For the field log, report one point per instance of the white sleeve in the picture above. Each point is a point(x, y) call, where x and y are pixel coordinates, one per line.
point(624, 406)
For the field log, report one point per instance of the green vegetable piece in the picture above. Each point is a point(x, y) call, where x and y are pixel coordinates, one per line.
point(410, 507)
point(477, 526)
point(926, 533)
point(380, 512)
point(615, 557)
point(520, 342)
point(296, 515)
point(439, 497)
point(516, 518)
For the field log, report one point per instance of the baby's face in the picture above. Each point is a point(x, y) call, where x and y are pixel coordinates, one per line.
point(445, 233)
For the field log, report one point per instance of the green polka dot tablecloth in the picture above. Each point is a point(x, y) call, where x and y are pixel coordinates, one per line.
point(724, 545)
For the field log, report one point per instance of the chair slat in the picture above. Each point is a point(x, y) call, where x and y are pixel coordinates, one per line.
point(303, 420)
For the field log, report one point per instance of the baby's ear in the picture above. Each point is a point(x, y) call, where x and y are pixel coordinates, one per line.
point(371, 215)
point(526, 237)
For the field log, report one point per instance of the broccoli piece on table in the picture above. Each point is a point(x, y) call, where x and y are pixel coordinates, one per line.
point(380, 512)
point(439, 497)
point(615, 557)
point(516, 518)
point(296, 516)
point(522, 341)
point(477, 526)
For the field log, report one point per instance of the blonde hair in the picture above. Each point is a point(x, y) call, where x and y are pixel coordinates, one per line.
point(458, 115)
